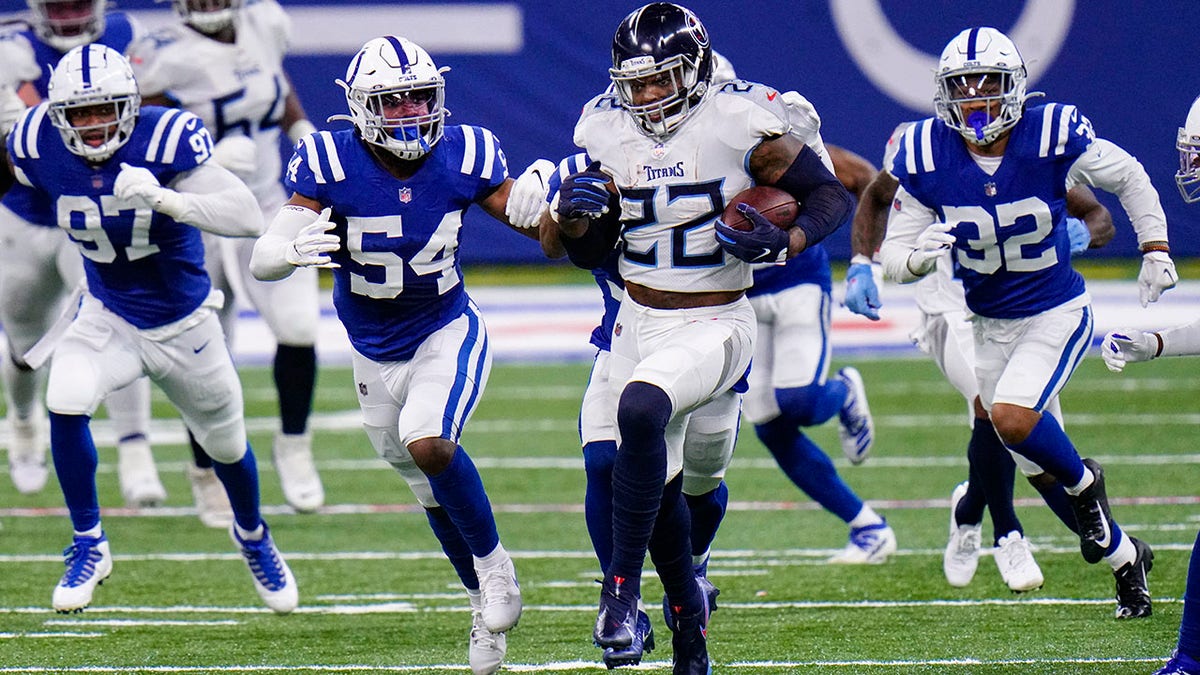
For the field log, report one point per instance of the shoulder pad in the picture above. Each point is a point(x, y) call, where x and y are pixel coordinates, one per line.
point(164, 145)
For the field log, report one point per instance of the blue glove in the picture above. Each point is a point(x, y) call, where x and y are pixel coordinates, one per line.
point(584, 194)
point(765, 243)
point(862, 296)
point(1081, 236)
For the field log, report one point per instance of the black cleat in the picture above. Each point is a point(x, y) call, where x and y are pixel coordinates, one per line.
point(1133, 594)
point(643, 643)
point(689, 640)
point(617, 618)
point(1092, 516)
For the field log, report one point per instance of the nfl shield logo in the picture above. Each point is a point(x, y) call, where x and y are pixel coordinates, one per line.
point(658, 151)
point(406, 194)
point(989, 189)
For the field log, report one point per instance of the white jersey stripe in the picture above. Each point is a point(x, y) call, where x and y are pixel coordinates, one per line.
point(468, 162)
point(1047, 123)
point(309, 146)
point(335, 163)
point(910, 162)
point(32, 125)
point(177, 128)
point(489, 154)
point(159, 129)
point(927, 146)
point(1064, 129)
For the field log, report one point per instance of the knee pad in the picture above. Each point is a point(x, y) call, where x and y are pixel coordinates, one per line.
point(386, 441)
point(224, 443)
point(74, 386)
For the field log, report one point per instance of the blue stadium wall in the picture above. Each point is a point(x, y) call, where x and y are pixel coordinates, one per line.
point(524, 69)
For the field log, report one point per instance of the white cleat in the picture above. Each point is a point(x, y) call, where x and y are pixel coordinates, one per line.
point(138, 475)
point(869, 545)
point(487, 649)
point(88, 563)
point(1014, 557)
point(272, 577)
point(501, 595)
point(27, 452)
point(212, 502)
point(961, 557)
point(293, 459)
point(856, 429)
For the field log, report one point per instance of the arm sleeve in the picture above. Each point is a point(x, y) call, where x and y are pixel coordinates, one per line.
point(214, 200)
point(590, 250)
point(269, 260)
point(1109, 167)
point(1181, 340)
point(824, 202)
point(907, 219)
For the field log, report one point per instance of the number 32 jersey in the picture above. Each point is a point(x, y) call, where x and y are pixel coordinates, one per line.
point(1012, 250)
point(400, 278)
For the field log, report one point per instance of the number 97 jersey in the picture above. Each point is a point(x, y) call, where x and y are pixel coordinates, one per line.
point(399, 278)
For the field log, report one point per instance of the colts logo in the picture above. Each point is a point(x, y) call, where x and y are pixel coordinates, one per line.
point(405, 195)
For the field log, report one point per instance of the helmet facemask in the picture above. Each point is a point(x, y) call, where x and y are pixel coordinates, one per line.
point(659, 118)
point(1188, 176)
point(207, 16)
point(66, 24)
point(981, 104)
point(101, 83)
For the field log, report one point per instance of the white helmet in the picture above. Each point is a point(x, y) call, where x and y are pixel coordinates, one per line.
point(87, 76)
point(980, 65)
point(389, 72)
point(65, 24)
point(1188, 144)
point(207, 16)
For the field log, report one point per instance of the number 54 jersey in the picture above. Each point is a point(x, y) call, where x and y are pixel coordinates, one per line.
point(399, 278)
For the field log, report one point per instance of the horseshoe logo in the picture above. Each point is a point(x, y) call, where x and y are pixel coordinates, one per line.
point(905, 73)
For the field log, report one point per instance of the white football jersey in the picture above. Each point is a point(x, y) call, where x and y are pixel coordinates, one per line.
point(939, 292)
point(234, 88)
point(673, 191)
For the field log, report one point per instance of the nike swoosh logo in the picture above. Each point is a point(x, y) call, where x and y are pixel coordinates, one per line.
point(1107, 540)
point(771, 96)
point(197, 350)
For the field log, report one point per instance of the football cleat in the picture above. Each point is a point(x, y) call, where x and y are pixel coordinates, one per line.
point(1133, 593)
point(27, 452)
point(1092, 516)
point(272, 578)
point(868, 545)
point(88, 563)
point(1180, 664)
point(643, 643)
point(487, 649)
point(501, 595)
point(293, 459)
point(706, 587)
point(138, 475)
point(616, 620)
point(689, 641)
point(1014, 558)
point(856, 428)
point(961, 557)
point(212, 502)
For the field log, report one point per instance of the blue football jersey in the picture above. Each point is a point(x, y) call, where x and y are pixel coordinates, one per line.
point(145, 267)
point(1012, 250)
point(400, 278)
point(29, 204)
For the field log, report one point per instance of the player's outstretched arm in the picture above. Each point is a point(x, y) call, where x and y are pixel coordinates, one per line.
point(299, 236)
point(866, 235)
point(1130, 345)
point(208, 197)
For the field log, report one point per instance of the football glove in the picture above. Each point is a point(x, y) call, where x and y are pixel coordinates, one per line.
point(314, 243)
point(1080, 235)
point(527, 197)
point(11, 109)
point(239, 154)
point(764, 243)
point(135, 185)
point(583, 194)
point(1129, 345)
point(1157, 275)
point(862, 292)
point(931, 244)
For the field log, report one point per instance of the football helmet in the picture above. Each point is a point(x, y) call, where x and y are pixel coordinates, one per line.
point(396, 96)
point(65, 24)
point(92, 76)
point(1188, 144)
point(661, 39)
point(207, 16)
point(980, 68)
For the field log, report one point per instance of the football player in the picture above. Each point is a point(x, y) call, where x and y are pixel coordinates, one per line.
point(39, 268)
point(381, 204)
point(130, 188)
point(1130, 345)
point(945, 334)
point(988, 179)
point(223, 62)
point(665, 162)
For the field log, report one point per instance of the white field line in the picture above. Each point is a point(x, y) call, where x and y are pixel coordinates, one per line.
point(15, 636)
point(123, 623)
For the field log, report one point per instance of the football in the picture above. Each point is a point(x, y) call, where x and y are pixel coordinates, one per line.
point(776, 205)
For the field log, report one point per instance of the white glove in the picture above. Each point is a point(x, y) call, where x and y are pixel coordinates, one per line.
point(314, 243)
point(1128, 345)
point(528, 195)
point(931, 244)
point(11, 109)
point(136, 186)
point(1157, 275)
point(239, 154)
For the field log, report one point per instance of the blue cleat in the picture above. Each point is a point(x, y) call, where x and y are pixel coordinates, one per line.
point(707, 588)
point(617, 618)
point(1180, 664)
point(689, 640)
point(643, 643)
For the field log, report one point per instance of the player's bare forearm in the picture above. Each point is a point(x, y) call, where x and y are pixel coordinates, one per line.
point(494, 204)
point(870, 220)
point(549, 235)
point(1082, 204)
